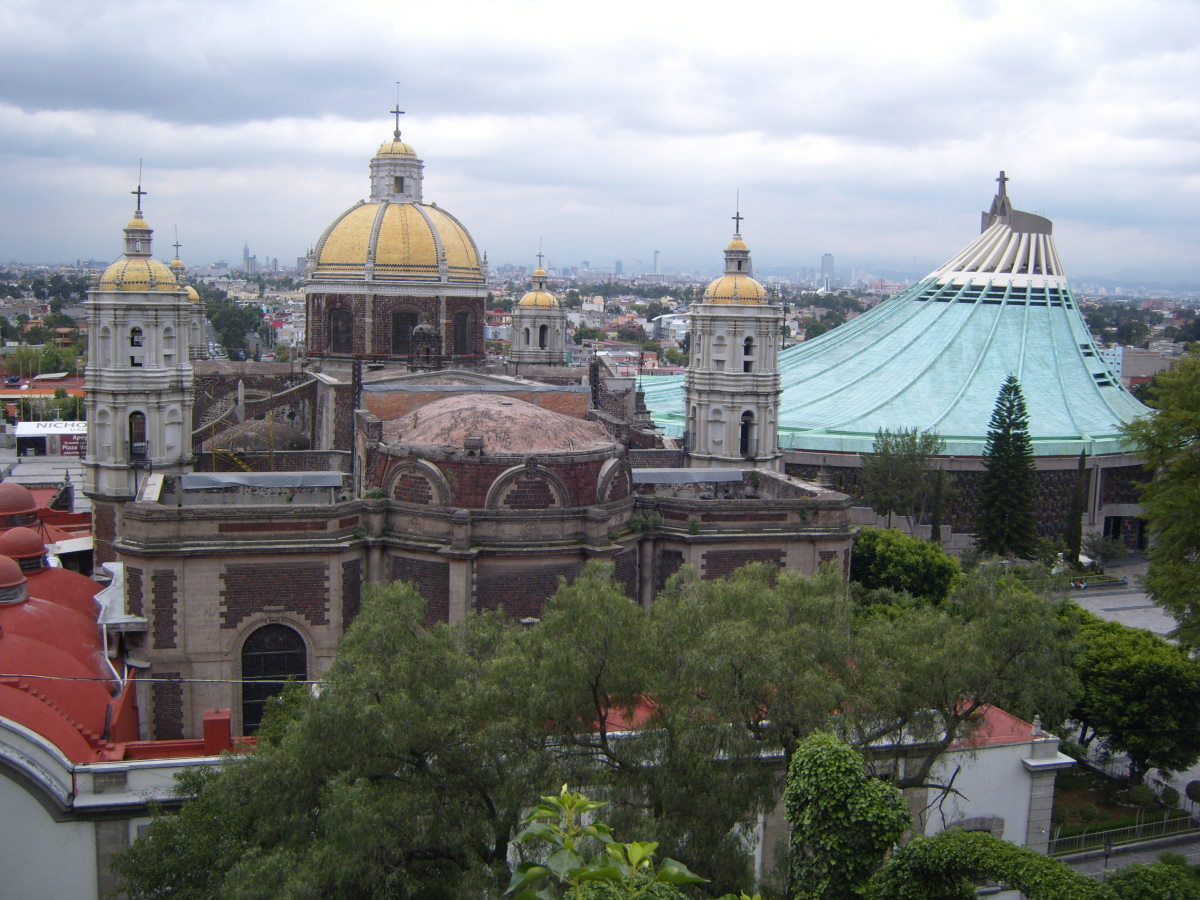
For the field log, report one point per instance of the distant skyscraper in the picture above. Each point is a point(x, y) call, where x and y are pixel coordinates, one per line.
point(656, 253)
point(618, 267)
point(827, 267)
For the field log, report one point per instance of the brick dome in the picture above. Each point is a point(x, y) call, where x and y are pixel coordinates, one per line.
point(21, 543)
point(16, 498)
point(506, 425)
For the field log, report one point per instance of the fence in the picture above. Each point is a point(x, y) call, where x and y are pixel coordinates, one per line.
point(1115, 837)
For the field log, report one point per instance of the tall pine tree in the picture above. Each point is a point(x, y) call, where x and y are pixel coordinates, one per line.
point(1006, 524)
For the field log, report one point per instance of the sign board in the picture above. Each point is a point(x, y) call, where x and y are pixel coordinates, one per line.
point(41, 429)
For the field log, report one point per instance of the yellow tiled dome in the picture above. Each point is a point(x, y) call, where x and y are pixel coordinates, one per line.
point(192, 296)
point(740, 289)
point(138, 273)
point(397, 242)
point(396, 148)
point(538, 300)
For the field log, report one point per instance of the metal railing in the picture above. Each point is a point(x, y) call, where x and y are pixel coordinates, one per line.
point(1115, 837)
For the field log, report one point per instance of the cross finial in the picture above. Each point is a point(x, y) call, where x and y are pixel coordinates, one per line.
point(177, 245)
point(1003, 181)
point(540, 256)
point(397, 112)
point(737, 214)
point(139, 192)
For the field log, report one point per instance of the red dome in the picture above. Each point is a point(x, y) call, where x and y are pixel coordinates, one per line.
point(10, 573)
point(15, 498)
point(21, 543)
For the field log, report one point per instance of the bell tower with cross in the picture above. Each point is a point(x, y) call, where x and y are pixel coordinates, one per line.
point(732, 387)
point(139, 380)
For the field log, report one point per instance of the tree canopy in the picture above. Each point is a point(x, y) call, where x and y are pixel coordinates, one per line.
point(1138, 692)
point(409, 772)
point(1006, 523)
point(1169, 443)
point(895, 475)
point(885, 558)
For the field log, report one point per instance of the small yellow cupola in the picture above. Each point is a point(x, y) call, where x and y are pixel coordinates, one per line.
point(136, 270)
point(737, 285)
point(538, 297)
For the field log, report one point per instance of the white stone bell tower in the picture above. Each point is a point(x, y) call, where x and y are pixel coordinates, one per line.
point(138, 376)
point(732, 388)
point(539, 326)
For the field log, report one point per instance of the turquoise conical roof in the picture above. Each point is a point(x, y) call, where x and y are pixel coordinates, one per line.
point(934, 357)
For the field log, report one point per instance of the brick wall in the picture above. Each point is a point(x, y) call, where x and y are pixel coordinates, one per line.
point(104, 532)
point(168, 706)
point(528, 492)
point(1052, 497)
point(1122, 484)
point(519, 592)
point(277, 461)
point(718, 563)
point(351, 590)
point(666, 564)
point(134, 597)
point(343, 417)
point(163, 584)
point(619, 487)
point(432, 581)
point(300, 588)
point(656, 459)
point(625, 567)
point(413, 487)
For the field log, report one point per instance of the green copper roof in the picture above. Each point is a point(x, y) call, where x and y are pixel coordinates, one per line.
point(935, 355)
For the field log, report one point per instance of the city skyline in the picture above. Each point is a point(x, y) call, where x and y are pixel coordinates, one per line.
point(871, 133)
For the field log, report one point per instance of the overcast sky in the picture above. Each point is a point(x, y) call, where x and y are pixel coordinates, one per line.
point(869, 130)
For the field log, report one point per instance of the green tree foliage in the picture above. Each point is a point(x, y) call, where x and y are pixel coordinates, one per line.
point(895, 475)
point(1169, 443)
point(842, 821)
point(944, 866)
point(399, 780)
point(1159, 881)
point(410, 772)
point(624, 871)
point(1074, 536)
point(232, 321)
point(884, 558)
point(1138, 692)
point(1006, 522)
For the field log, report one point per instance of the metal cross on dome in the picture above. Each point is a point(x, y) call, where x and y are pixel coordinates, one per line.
point(139, 192)
point(397, 112)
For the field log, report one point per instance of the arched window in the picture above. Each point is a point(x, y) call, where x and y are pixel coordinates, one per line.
point(271, 655)
point(136, 339)
point(341, 331)
point(139, 447)
point(526, 337)
point(746, 442)
point(106, 346)
point(542, 337)
point(748, 355)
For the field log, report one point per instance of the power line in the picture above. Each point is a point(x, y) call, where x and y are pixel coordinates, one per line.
point(171, 680)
